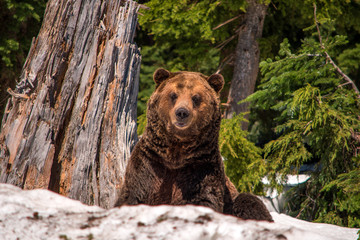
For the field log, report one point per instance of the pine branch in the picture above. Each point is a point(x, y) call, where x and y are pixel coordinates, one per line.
point(343, 75)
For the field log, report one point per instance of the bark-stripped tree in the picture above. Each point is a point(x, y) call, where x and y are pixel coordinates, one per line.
point(70, 124)
point(247, 57)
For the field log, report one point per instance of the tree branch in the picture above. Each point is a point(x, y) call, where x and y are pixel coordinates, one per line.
point(224, 43)
point(226, 22)
point(224, 62)
point(343, 75)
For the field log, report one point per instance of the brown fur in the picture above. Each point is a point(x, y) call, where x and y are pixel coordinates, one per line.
point(250, 207)
point(177, 161)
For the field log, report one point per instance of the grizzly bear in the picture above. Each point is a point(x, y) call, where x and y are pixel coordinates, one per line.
point(177, 160)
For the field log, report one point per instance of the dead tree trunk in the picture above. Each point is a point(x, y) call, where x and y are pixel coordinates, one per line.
point(71, 121)
point(247, 55)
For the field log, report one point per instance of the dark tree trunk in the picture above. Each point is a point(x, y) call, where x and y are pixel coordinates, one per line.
point(71, 121)
point(247, 56)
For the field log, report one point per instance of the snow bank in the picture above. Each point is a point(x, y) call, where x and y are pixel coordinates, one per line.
point(41, 214)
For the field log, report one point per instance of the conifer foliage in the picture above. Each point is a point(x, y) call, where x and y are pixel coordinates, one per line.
point(244, 164)
point(317, 121)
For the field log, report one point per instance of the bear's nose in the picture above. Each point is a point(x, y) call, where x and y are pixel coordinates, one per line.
point(182, 113)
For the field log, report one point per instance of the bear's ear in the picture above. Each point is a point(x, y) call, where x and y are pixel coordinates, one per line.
point(216, 81)
point(161, 75)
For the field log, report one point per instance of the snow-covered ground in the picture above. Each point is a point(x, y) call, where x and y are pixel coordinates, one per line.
point(41, 214)
point(275, 201)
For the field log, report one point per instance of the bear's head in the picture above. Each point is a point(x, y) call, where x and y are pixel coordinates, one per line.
point(185, 105)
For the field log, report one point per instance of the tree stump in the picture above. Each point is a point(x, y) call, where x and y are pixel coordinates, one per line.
point(71, 121)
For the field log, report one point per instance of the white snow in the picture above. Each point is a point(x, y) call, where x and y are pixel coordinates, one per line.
point(41, 214)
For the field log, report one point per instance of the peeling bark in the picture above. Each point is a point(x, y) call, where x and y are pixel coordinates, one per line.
point(74, 132)
point(247, 56)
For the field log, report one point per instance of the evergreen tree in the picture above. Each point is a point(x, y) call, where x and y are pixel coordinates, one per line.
point(316, 118)
point(243, 161)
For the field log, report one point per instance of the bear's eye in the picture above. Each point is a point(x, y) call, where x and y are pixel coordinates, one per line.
point(196, 100)
point(173, 97)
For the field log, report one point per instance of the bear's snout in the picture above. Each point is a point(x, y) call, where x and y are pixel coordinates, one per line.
point(182, 114)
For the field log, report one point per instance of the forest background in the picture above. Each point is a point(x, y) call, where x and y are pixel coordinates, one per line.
point(304, 112)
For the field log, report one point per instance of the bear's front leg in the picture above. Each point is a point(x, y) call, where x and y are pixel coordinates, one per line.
point(202, 187)
point(248, 206)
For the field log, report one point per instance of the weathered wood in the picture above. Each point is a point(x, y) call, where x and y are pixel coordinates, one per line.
point(74, 133)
